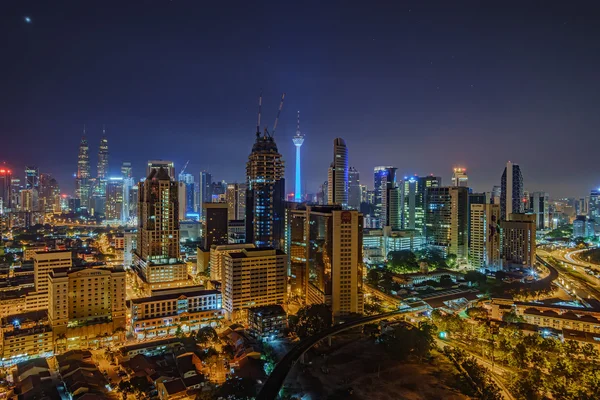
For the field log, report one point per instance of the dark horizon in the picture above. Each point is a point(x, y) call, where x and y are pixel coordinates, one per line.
point(423, 87)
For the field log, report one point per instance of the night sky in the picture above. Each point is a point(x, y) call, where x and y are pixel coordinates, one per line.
point(423, 86)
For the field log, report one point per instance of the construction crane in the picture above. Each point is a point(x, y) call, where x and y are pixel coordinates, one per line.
point(184, 167)
point(259, 110)
point(278, 113)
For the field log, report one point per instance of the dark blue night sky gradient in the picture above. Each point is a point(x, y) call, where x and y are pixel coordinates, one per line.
point(422, 86)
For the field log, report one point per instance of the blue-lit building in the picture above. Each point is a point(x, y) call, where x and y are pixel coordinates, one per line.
point(384, 178)
point(265, 204)
point(298, 140)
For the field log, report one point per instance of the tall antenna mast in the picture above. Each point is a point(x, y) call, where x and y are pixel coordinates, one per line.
point(259, 110)
point(298, 126)
point(278, 112)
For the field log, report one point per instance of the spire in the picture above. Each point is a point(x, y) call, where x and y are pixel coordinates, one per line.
point(298, 126)
point(103, 130)
point(84, 130)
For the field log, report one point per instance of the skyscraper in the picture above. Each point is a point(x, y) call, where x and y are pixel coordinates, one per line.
point(484, 236)
point(103, 157)
point(114, 199)
point(511, 195)
point(205, 186)
point(460, 178)
point(236, 201)
point(82, 181)
point(265, 204)
point(128, 183)
point(384, 179)
point(446, 220)
point(593, 208)
point(5, 189)
point(188, 192)
point(338, 174)
point(169, 167)
point(326, 260)
point(540, 206)
point(157, 253)
point(298, 140)
point(214, 224)
point(518, 240)
point(354, 189)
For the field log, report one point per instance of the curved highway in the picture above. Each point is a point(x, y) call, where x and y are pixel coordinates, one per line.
point(275, 381)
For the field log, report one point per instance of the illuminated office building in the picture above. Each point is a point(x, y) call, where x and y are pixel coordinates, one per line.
point(354, 189)
point(155, 165)
point(128, 183)
point(446, 220)
point(326, 257)
point(484, 236)
point(253, 277)
point(157, 256)
point(102, 166)
point(593, 208)
point(114, 199)
point(518, 240)
point(265, 204)
point(338, 174)
point(511, 195)
point(459, 177)
point(204, 190)
point(236, 201)
point(189, 192)
point(540, 207)
point(384, 179)
point(5, 189)
point(82, 180)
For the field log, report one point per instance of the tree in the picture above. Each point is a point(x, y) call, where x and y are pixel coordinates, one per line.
point(373, 277)
point(313, 319)
point(499, 275)
point(475, 277)
point(402, 261)
point(207, 335)
point(477, 312)
point(452, 261)
point(404, 340)
point(179, 331)
point(512, 318)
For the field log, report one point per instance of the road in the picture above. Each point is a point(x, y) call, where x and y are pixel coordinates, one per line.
point(274, 382)
point(579, 284)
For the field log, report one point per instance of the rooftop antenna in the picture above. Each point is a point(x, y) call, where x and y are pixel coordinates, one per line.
point(259, 110)
point(278, 112)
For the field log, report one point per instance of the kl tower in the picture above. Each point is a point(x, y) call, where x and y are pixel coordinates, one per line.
point(298, 140)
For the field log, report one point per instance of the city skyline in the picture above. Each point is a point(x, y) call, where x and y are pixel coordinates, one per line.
point(450, 88)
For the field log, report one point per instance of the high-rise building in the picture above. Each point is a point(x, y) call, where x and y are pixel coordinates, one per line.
point(413, 200)
point(205, 188)
point(157, 256)
point(593, 207)
point(354, 189)
point(518, 240)
point(583, 227)
point(459, 177)
point(218, 190)
point(214, 224)
point(82, 180)
point(32, 184)
point(181, 200)
point(236, 201)
point(102, 165)
point(49, 194)
point(216, 257)
point(484, 236)
point(44, 262)
point(87, 305)
point(26, 203)
point(511, 195)
point(189, 193)
point(128, 183)
point(5, 189)
point(496, 194)
point(298, 140)
point(265, 204)
point(446, 220)
point(169, 166)
point(326, 263)
point(384, 179)
point(540, 206)
point(253, 277)
point(338, 174)
point(114, 199)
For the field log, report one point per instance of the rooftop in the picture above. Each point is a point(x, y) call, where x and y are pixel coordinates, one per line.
point(174, 296)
